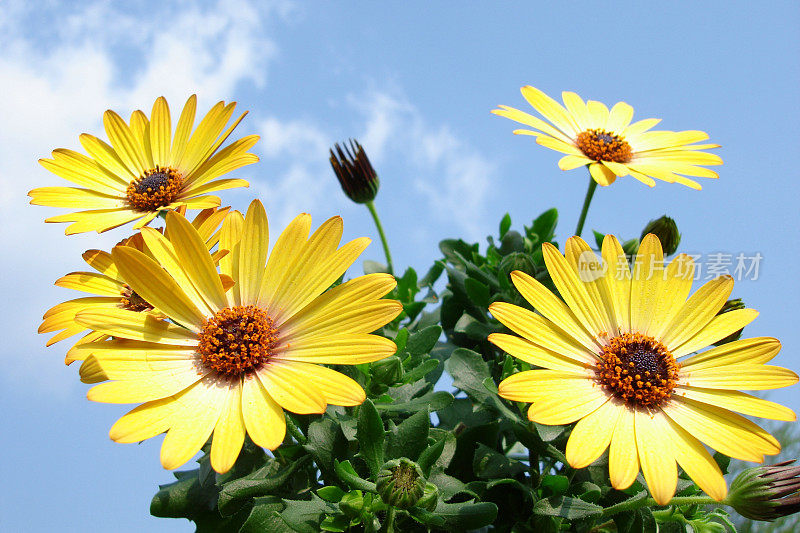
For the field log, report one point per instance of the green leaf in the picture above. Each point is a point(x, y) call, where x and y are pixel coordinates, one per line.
point(432, 275)
point(478, 292)
point(265, 516)
point(400, 339)
point(304, 516)
point(409, 438)
point(431, 454)
point(370, 436)
point(598, 239)
point(325, 441)
point(260, 483)
point(554, 485)
point(429, 365)
point(348, 475)
point(505, 224)
point(336, 523)
point(433, 401)
point(473, 328)
point(545, 225)
point(488, 463)
point(465, 516)
point(184, 498)
point(331, 493)
point(469, 372)
point(422, 342)
point(570, 508)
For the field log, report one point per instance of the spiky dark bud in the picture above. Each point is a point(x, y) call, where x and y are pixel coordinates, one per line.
point(351, 165)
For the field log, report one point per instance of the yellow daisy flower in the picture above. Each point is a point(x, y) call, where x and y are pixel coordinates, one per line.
point(109, 290)
point(146, 169)
point(606, 140)
point(237, 359)
point(616, 358)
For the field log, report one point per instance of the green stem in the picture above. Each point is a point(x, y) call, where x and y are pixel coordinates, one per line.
point(371, 206)
point(388, 526)
point(649, 502)
point(586, 202)
point(294, 431)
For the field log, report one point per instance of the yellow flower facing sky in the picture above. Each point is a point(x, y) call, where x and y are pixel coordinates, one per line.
point(606, 140)
point(616, 356)
point(147, 168)
point(108, 289)
point(237, 359)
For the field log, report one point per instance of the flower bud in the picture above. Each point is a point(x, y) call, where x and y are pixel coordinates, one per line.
point(731, 305)
point(430, 497)
point(667, 232)
point(358, 179)
point(401, 483)
point(766, 492)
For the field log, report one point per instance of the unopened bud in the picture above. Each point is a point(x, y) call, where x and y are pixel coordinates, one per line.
point(401, 483)
point(731, 305)
point(667, 232)
point(766, 492)
point(358, 179)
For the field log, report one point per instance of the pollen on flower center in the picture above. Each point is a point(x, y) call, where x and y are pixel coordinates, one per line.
point(237, 340)
point(637, 369)
point(133, 302)
point(159, 187)
point(602, 145)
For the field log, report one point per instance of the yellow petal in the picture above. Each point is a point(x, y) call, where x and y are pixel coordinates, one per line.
point(282, 259)
point(155, 386)
point(551, 110)
point(534, 122)
point(556, 144)
point(335, 387)
point(637, 128)
point(601, 174)
point(124, 143)
point(75, 198)
point(647, 284)
point(152, 283)
point(102, 262)
point(619, 117)
point(550, 306)
point(599, 113)
point(618, 283)
point(289, 388)
point(194, 424)
point(589, 269)
point(696, 461)
point(722, 430)
point(558, 397)
point(592, 434)
point(577, 109)
point(343, 349)
point(107, 157)
point(718, 328)
point(698, 311)
point(358, 317)
point(743, 376)
point(160, 132)
point(569, 162)
point(623, 458)
point(656, 455)
point(674, 290)
point(91, 283)
point(758, 350)
point(196, 260)
point(253, 249)
point(740, 402)
point(137, 326)
point(263, 417)
point(145, 421)
point(183, 130)
point(572, 290)
point(535, 354)
point(230, 430)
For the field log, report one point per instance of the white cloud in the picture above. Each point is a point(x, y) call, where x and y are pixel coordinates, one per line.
point(58, 79)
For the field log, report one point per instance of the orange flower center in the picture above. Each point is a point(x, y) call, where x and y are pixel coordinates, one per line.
point(158, 187)
point(638, 369)
point(133, 302)
point(602, 145)
point(237, 340)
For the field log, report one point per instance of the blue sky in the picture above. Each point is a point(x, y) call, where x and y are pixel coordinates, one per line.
point(415, 84)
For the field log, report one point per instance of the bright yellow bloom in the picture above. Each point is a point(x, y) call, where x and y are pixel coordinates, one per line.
point(108, 289)
point(146, 169)
point(237, 359)
point(606, 140)
point(614, 354)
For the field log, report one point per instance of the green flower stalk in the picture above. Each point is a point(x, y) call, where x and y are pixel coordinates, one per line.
point(666, 230)
point(401, 483)
point(360, 183)
point(767, 492)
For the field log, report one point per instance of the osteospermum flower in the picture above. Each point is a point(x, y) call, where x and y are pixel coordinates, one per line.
point(606, 140)
point(616, 358)
point(237, 359)
point(147, 168)
point(109, 290)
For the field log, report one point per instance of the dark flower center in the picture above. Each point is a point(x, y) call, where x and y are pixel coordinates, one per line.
point(158, 188)
point(602, 145)
point(638, 369)
point(237, 340)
